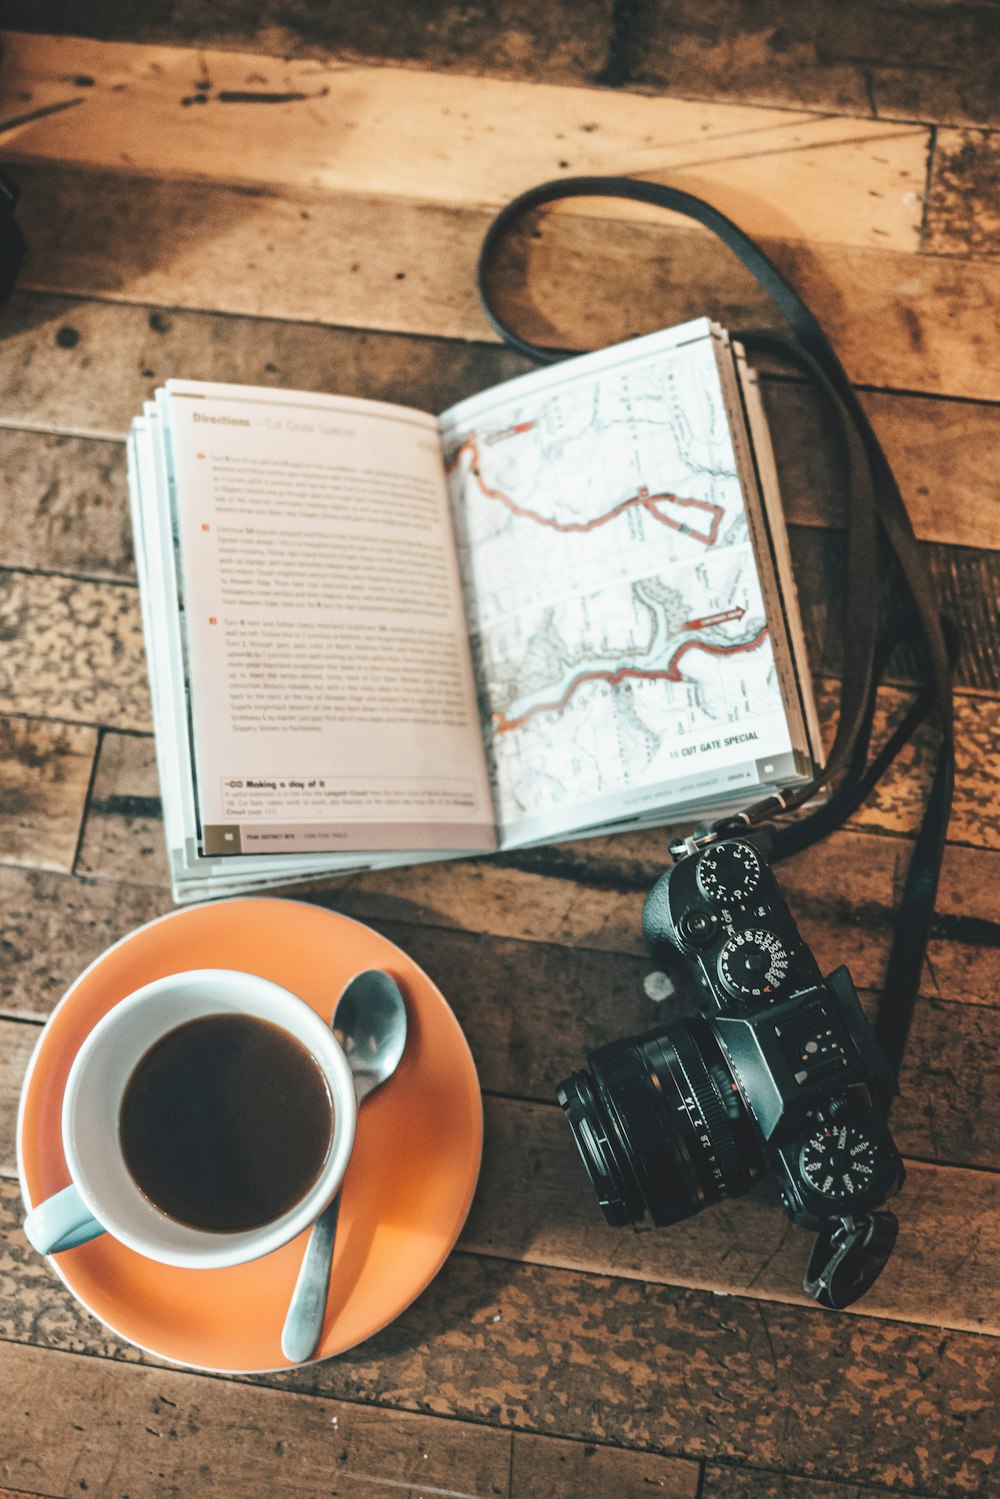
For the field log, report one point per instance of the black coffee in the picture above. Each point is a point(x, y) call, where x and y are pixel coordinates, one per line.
point(226, 1122)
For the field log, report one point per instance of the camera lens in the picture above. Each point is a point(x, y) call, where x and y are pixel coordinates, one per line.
point(661, 1125)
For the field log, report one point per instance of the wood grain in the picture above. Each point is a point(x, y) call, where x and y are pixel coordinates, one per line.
point(54, 926)
point(551, 1356)
point(65, 506)
point(83, 367)
point(184, 113)
point(939, 451)
point(123, 832)
point(541, 1467)
point(409, 267)
point(90, 366)
point(535, 1204)
point(15, 1052)
point(45, 771)
point(531, 1012)
point(158, 1431)
point(74, 651)
point(619, 1361)
point(589, 892)
point(744, 1483)
point(962, 214)
point(918, 61)
point(843, 892)
point(930, 61)
point(92, 1425)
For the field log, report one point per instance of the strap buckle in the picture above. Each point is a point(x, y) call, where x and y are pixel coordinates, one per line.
point(726, 827)
point(846, 1260)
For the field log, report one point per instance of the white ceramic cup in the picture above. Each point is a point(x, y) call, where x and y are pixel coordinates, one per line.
point(103, 1195)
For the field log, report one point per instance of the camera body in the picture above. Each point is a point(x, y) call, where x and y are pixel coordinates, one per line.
point(799, 1046)
point(778, 1072)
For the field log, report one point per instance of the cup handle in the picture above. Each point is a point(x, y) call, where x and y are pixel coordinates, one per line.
point(61, 1222)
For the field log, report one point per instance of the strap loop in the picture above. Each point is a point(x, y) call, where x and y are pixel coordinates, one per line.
point(882, 550)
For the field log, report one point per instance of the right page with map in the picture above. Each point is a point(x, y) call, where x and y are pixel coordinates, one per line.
point(605, 512)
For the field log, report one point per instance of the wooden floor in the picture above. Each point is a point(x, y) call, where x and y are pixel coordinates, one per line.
point(295, 194)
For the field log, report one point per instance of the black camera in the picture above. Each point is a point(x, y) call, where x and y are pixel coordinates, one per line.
point(779, 1072)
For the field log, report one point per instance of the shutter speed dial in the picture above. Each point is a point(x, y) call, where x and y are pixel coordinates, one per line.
point(728, 872)
point(840, 1160)
point(753, 964)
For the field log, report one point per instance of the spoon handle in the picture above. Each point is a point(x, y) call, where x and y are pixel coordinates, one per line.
point(307, 1308)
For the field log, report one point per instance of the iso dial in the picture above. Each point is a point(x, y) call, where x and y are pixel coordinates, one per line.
point(728, 872)
point(839, 1160)
point(753, 964)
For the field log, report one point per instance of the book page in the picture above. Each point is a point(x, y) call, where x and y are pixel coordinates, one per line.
point(332, 698)
point(619, 633)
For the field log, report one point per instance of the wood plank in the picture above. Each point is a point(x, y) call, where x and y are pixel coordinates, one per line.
point(15, 1053)
point(409, 267)
point(123, 831)
point(65, 506)
point(630, 282)
point(531, 1012)
point(751, 1483)
point(896, 804)
point(74, 651)
point(589, 893)
point(965, 581)
point(124, 827)
point(602, 1359)
point(962, 215)
point(45, 771)
point(535, 1204)
point(543, 1468)
point(373, 131)
point(930, 61)
point(54, 926)
point(594, 902)
point(920, 61)
point(939, 451)
point(85, 368)
point(108, 1428)
point(47, 672)
point(65, 499)
point(114, 1427)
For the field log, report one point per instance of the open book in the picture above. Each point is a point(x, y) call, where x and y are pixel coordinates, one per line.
point(374, 636)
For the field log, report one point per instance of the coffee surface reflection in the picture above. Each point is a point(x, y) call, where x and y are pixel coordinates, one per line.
point(226, 1122)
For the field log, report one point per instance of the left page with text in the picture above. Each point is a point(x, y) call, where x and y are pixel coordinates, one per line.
point(332, 699)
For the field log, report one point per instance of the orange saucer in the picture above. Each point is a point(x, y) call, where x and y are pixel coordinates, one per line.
point(408, 1187)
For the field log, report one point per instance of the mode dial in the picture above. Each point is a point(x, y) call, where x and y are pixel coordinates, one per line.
point(840, 1160)
point(753, 964)
point(728, 872)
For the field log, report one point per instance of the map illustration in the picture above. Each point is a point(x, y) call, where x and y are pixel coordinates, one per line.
point(611, 589)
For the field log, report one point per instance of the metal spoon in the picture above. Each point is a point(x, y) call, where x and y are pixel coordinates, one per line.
point(369, 1020)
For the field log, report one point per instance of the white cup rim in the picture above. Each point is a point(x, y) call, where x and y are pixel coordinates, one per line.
point(95, 1086)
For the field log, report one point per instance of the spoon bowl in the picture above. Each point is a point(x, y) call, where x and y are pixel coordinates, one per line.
point(369, 1021)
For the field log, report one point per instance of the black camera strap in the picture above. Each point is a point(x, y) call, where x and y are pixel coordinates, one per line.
point(883, 555)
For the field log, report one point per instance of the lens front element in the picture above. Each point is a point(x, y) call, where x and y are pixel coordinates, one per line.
point(661, 1125)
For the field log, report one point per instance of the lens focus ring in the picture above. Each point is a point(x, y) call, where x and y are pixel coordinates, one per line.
point(722, 1144)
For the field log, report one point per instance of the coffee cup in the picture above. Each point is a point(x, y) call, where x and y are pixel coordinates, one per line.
point(178, 1057)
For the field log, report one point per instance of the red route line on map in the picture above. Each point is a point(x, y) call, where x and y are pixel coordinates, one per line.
point(670, 673)
point(648, 502)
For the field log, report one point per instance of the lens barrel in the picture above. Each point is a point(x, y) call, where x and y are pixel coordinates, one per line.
point(661, 1125)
